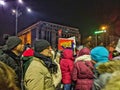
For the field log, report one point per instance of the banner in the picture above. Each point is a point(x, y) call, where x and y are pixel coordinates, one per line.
point(65, 43)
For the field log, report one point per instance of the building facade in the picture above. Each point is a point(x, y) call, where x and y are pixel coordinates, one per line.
point(48, 31)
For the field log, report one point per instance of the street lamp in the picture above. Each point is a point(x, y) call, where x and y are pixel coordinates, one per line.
point(103, 28)
point(20, 1)
point(2, 2)
point(18, 13)
point(29, 10)
point(98, 32)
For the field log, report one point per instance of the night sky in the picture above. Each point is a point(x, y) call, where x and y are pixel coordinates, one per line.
point(87, 15)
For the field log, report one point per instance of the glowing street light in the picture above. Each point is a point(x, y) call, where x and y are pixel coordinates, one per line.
point(17, 14)
point(13, 11)
point(29, 10)
point(20, 1)
point(103, 28)
point(2, 2)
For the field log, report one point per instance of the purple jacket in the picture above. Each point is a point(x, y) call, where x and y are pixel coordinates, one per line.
point(82, 74)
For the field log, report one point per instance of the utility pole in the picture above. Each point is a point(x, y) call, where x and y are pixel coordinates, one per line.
point(96, 39)
point(98, 32)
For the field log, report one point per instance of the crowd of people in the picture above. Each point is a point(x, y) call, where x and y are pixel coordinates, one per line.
point(40, 67)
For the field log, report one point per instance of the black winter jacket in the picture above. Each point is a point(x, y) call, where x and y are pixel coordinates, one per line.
point(13, 61)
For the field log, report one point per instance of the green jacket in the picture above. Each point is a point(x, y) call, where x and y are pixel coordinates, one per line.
point(37, 76)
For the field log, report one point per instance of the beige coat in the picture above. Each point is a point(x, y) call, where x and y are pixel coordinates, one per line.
point(37, 76)
point(57, 77)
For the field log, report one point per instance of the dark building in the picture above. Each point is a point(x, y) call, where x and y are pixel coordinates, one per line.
point(48, 31)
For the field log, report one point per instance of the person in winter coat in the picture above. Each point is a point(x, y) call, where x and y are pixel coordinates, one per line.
point(106, 77)
point(7, 78)
point(116, 55)
point(100, 56)
point(57, 77)
point(2, 42)
point(27, 58)
point(1, 52)
point(114, 82)
point(11, 54)
point(116, 52)
point(38, 75)
point(66, 65)
point(82, 73)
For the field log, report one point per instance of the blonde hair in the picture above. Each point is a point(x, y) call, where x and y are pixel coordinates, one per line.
point(7, 78)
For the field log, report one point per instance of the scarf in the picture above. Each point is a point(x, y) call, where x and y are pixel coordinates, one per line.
point(51, 66)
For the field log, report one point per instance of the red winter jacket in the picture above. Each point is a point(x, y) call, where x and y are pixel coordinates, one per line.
point(66, 65)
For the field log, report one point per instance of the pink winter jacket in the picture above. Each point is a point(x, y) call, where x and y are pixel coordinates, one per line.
point(66, 65)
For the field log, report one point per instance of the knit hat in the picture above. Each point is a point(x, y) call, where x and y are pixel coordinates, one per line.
point(40, 45)
point(12, 42)
point(99, 54)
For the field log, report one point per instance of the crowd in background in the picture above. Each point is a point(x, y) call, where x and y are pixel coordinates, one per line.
point(40, 67)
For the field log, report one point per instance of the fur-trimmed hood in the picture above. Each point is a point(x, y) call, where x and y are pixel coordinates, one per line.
point(83, 58)
point(109, 67)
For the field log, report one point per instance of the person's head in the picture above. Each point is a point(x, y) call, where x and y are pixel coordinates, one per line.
point(99, 54)
point(27, 46)
point(7, 78)
point(43, 47)
point(4, 38)
point(115, 53)
point(14, 43)
point(84, 51)
point(68, 54)
point(118, 46)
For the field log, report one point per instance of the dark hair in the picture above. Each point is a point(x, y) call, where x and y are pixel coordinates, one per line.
point(4, 39)
point(6, 36)
point(115, 53)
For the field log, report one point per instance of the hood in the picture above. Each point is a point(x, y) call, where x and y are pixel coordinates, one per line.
point(83, 58)
point(67, 54)
point(28, 52)
point(99, 54)
point(84, 51)
point(109, 67)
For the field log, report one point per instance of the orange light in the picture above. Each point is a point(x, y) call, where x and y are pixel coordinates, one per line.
point(103, 28)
